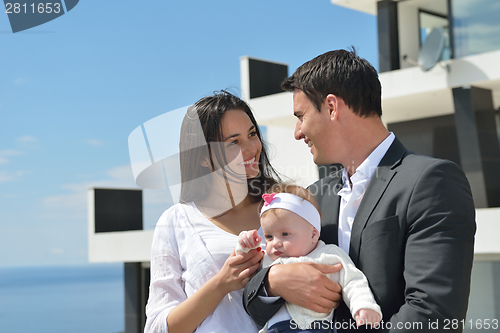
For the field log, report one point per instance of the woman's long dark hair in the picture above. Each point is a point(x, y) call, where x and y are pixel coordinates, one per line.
point(195, 147)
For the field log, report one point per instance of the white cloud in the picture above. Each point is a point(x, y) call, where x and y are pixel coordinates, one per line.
point(27, 142)
point(13, 176)
point(8, 176)
point(10, 152)
point(477, 38)
point(5, 153)
point(123, 174)
point(73, 204)
point(84, 176)
point(479, 30)
point(94, 142)
point(56, 250)
point(9, 196)
point(21, 81)
point(5, 177)
point(27, 139)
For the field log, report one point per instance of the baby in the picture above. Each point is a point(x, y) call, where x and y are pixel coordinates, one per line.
point(291, 225)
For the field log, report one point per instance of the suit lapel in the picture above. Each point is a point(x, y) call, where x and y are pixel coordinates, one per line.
point(329, 222)
point(379, 182)
point(329, 203)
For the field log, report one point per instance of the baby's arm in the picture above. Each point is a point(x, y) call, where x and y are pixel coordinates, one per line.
point(356, 292)
point(248, 240)
point(367, 317)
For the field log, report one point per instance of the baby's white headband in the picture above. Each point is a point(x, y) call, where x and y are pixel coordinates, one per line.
point(293, 203)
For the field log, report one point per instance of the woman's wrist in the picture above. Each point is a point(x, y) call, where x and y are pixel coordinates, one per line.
point(217, 286)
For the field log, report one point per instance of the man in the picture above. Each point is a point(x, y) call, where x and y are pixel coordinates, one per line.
point(407, 221)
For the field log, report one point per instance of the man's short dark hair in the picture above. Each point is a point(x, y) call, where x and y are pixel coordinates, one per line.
point(343, 74)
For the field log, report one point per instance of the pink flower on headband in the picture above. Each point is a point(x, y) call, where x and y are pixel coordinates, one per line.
point(268, 198)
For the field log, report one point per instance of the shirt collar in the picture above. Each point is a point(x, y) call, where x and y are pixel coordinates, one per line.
point(370, 164)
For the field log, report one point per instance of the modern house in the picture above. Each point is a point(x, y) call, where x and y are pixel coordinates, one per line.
point(441, 97)
point(448, 111)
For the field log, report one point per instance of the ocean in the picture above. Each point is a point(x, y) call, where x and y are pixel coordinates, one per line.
point(63, 299)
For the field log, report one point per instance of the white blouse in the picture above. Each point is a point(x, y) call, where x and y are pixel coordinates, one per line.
point(187, 251)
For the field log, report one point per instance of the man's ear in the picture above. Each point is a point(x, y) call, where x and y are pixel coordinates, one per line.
point(332, 104)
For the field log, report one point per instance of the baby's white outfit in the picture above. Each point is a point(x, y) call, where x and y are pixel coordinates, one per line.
point(355, 290)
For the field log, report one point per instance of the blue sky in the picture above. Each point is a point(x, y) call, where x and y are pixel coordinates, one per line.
point(73, 89)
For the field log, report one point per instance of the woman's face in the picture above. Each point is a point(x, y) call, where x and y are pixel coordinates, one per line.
point(239, 135)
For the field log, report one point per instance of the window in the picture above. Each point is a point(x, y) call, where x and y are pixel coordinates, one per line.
point(429, 21)
point(476, 26)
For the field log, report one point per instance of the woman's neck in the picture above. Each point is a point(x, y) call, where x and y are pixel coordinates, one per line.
point(242, 216)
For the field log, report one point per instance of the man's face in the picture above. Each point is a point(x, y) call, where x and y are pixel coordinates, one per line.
point(313, 127)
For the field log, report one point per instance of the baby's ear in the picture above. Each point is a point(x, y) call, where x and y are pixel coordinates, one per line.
point(315, 235)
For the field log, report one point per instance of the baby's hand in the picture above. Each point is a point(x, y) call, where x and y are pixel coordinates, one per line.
point(249, 239)
point(367, 317)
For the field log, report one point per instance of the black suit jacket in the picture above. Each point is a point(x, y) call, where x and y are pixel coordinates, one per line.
point(413, 238)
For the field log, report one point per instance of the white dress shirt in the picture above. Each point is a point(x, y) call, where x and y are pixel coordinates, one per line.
point(352, 195)
point(187, 251)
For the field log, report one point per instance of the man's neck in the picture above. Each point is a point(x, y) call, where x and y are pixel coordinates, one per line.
point(367, 140)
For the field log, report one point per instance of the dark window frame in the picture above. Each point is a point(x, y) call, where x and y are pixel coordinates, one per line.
point(450, 25)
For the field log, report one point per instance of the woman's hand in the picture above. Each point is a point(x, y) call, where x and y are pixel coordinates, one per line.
point(235, 273)
point(237, 270)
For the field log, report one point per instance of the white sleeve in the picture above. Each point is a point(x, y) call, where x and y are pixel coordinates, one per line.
point(244, 249)
point(166, 289)
point(356, 292)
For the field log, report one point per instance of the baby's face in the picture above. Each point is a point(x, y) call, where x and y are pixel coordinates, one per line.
point(287, 234)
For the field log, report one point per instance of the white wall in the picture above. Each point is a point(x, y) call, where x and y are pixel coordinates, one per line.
point(290, 157)
point(409, 35)
point(484, 300)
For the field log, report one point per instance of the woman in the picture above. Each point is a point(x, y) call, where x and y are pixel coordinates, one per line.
point(196, 278)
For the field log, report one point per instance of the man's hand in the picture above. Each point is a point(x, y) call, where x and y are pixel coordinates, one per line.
point(305, 284)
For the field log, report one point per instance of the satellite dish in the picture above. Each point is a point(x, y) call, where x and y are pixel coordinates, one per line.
point(431, 51)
